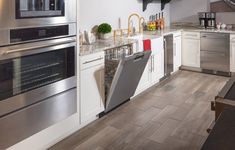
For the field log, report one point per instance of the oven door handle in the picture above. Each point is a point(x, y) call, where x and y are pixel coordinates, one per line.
point(38, 47)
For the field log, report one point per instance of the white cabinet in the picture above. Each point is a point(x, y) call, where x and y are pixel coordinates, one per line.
point(155, 68)
point(232, 52)
point(157, 60)
point(159, 65)
point(91, 86)
point(177, 48)
point(191, 49)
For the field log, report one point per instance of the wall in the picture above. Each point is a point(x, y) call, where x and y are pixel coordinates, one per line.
point(94, 12)
point(186, 10)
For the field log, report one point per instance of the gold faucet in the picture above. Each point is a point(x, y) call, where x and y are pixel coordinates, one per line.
point(129, 23)
point(141, 25)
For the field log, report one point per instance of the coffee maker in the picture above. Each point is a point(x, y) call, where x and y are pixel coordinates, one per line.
point(207, 20)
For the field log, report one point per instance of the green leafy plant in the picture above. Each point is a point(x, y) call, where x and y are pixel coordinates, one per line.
point(104, 28)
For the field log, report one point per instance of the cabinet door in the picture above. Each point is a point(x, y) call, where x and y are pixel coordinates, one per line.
point(157, 60)
point(232, 56)
point(92, 92)
point(177, 52)
point(191, 53)
point(159, 65)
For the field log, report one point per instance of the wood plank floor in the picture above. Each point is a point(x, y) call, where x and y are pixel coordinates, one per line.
point(170, 116)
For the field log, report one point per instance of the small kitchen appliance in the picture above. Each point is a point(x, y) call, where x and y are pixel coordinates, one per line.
point(207, 19)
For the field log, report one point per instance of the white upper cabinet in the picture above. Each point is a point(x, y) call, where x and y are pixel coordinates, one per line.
point(191, 49)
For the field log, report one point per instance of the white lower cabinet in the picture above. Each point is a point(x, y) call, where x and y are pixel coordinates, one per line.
point(191, 49)
point(232, 52)
point(177, 48)
point(91, 86)
point(159, 65)
point(155, 68)
point(158, 60)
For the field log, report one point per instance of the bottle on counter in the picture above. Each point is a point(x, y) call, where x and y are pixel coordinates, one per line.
point(157, 22)
point(162, 25)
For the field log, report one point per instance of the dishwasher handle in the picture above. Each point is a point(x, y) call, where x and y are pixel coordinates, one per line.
point(139, 56)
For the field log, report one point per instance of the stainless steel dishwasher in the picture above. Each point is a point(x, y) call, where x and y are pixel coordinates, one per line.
point(215, 53)
point(123, 71)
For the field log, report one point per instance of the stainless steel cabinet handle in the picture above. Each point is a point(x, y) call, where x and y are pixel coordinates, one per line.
point(153, 64)
point(90, 61)
point(150, 65)
point(174, 49)
point(193, 35)
point(38, 47)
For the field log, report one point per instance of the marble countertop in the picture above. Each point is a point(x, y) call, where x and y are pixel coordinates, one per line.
point(197, 29)
point(102, 45)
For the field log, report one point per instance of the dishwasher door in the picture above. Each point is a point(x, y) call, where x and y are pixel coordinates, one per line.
point(126, 79)
point(215, 52)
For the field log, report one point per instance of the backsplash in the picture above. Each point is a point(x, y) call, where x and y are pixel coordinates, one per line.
point(94, 12)
point(181, 11)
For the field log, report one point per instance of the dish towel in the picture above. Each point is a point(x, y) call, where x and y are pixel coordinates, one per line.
point(147, 45)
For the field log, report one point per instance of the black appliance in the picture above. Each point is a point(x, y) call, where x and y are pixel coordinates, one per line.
point(225, 98)
point(207, 20)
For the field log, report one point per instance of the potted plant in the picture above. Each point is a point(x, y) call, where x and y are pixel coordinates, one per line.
point(104, 31)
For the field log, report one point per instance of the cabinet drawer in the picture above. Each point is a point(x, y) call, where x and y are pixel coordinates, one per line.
point(191, 35)
point(232, 37)
point(177, 34)
point(91, 60)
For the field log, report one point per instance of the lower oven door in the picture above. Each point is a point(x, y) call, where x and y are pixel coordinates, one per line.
point(33, 72)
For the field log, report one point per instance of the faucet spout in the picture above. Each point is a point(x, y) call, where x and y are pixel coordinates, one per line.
point(129, 22)
point(140, 19)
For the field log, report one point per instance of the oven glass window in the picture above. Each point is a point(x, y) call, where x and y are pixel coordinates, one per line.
point(26, 73)
point(39, 8)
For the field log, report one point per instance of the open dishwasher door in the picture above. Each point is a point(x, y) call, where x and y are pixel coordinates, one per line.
point(126, 79)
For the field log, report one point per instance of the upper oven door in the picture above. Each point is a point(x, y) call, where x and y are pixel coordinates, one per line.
point(34, 13)
point(35, 72)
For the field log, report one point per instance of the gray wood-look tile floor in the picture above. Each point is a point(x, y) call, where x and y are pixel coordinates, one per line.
point(170, 116)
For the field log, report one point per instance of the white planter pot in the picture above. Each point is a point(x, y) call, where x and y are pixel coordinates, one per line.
point(105, 36)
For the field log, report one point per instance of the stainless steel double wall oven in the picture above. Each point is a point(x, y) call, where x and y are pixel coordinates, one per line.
point(37, 66)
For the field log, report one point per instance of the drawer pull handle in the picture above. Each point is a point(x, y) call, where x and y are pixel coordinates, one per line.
point(90, 61)
point(193, 35)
